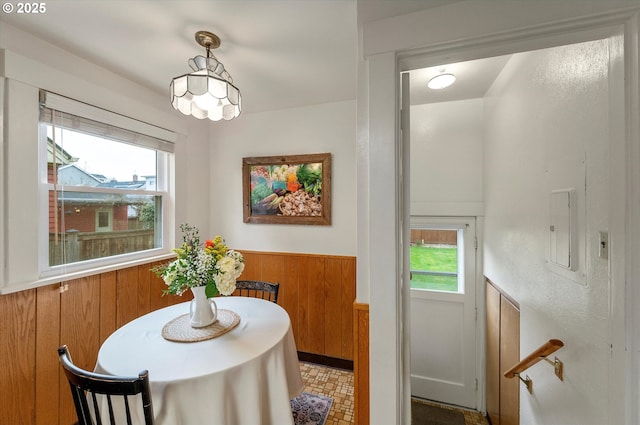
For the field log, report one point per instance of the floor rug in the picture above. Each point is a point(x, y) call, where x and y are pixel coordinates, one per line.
point(310, 409)
point(427, 414)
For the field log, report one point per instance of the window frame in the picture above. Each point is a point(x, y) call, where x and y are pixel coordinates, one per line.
point(165, 162)
point(109, 226)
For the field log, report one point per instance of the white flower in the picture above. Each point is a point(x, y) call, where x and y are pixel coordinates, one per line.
point(204, 262)
point(226, 265)
point(225, 283)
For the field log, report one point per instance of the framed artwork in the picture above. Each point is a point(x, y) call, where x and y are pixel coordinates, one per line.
point(288, 189)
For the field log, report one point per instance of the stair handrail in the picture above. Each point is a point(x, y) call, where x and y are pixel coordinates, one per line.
point(541, 353)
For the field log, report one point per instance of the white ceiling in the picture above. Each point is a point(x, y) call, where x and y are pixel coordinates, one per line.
point(473, 79)
point(280, 53)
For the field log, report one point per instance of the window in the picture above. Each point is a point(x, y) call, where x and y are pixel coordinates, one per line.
point(435, 259)
point(105, 182)
point(103, 221)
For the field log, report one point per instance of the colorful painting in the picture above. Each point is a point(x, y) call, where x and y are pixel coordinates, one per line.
point(294, 189)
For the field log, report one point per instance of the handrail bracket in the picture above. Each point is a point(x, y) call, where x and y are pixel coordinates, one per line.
point(540, 354)
point(526, 381)
point(558, 367)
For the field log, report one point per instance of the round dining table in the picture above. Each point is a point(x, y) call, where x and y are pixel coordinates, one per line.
point(246, 376)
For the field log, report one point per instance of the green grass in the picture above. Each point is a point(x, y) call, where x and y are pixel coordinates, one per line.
point(434, 259)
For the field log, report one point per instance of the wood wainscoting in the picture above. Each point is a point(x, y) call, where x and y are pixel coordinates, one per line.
point(503, 351)
point(361, 363)
point(317, 291)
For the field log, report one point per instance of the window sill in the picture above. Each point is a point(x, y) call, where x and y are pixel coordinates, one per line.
point(83, 273)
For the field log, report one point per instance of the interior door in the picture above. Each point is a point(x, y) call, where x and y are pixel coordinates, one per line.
point(443, 310)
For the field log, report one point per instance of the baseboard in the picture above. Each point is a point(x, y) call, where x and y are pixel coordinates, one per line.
point(325, 360)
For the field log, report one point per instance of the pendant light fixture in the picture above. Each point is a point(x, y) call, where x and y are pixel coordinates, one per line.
point(207, 92)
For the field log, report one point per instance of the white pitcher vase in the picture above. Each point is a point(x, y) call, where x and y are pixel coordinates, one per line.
point(203, 311)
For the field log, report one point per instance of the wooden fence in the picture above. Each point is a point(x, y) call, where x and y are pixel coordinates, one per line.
point(436, 237)
point(76, 246)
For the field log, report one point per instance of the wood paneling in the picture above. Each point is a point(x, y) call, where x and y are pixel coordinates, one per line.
point(316, 290)
point(503, 351)
point(493, 354)
point(295, 300)
point(509, 356)
point(361, 363)
point(127, 296)
point(348, 274)
point(47, 369)
point(80, 330)
point(108, 303)
point(17, 354)
point(80, 320)
point(317, 318)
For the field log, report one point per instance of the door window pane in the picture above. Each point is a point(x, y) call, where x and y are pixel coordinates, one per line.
point(434, 260)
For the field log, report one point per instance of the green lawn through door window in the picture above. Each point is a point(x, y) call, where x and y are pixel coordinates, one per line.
point(434, 267)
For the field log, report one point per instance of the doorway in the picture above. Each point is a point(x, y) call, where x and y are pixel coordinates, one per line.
point(545, 164)
point(446, 205)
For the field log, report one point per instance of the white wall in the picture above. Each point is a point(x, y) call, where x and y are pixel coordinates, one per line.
point(446, 158)
point(193, 173)
point(547, 128)
point(314, 129)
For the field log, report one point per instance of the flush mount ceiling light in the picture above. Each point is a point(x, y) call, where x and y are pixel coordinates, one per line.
point(207, 92)
point(441, 81)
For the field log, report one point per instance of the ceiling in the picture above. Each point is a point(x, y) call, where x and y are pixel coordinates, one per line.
point(473, 79)
point(280, 53)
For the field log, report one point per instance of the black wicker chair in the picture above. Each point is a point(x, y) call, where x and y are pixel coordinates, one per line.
point(83, 383)
point(257, 289)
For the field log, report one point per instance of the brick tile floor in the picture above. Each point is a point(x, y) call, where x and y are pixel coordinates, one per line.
point(338, 384)
point(335, 383)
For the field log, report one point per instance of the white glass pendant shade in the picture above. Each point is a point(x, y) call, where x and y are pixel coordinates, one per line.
point(441, 81)
point(203, 95)
point(208, 92)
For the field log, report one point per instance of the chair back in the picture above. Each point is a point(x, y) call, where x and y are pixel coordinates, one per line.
point(87, 386)
point(258, 289)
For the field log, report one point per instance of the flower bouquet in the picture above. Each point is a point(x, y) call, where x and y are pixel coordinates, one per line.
point(212, 265)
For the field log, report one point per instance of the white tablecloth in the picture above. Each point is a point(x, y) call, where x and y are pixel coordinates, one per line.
point(244, 377)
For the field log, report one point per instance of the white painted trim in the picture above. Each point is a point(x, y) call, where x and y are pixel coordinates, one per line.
point(530, 23)
point(481, 323)
point(453, 209)
point(84, 273)
point(3, 178)
point(404, 230)
point(386, 363)
point(630, 368)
